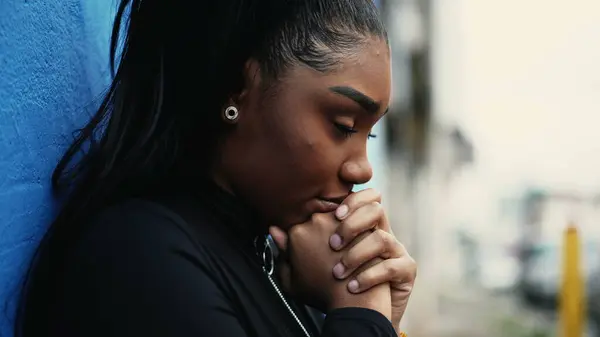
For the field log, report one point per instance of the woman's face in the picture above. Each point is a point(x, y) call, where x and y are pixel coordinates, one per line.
point(300, 149)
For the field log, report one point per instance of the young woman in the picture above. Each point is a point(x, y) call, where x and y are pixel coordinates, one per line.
point(227, 120)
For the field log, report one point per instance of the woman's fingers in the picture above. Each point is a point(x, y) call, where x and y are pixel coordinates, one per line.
point(284, 270)
point(377, 244)
point(400, 272)
point(355, 201)
point(368, 217)
point(280, 237)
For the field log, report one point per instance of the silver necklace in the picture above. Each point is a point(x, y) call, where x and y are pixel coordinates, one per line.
point(268, 265)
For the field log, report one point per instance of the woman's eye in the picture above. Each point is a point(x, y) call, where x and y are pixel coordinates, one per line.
point(348, 131)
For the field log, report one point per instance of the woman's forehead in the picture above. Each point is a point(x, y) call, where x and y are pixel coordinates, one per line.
point(367, 73)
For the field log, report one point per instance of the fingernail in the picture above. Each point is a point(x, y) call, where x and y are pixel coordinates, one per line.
point(338, 270)
point(341, 211)
point(335, 241)
point(353, 286)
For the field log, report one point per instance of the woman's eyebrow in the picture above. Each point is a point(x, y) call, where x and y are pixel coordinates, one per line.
point(363, 100)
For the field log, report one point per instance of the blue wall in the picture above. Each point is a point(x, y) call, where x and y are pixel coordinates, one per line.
point(53, 57)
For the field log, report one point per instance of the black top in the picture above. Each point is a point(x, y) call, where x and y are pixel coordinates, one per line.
point(185, 266)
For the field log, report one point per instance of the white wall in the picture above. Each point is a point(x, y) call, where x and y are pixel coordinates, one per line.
point(523, 79)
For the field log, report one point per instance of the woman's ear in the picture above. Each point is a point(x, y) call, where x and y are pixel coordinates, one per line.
point(252, 83)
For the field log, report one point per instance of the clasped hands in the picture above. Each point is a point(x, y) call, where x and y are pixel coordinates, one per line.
point(336, 259)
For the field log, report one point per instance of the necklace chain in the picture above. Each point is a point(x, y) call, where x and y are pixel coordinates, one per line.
point(268, 266)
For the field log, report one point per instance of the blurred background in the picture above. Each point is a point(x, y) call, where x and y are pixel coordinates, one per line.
point(491, 150)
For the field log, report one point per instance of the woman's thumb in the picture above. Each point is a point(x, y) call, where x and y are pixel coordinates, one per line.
point(285, 273)
point(280, 237)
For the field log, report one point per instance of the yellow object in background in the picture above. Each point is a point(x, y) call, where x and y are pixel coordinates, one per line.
point(572, 293)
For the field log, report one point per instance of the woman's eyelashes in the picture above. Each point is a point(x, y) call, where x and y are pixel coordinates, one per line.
point(347, 131)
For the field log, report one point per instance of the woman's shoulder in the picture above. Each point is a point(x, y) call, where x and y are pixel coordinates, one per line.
point(134, 220)
point(151, 237)
point(138, 228)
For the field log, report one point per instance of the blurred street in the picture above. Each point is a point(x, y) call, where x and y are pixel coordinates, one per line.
point(468, 295)
point(492, 154)
point(471, 312)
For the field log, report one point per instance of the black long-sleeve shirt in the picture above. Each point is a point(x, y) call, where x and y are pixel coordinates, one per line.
point(180, 267)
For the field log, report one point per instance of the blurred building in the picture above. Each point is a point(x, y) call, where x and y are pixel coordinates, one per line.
point(460, 73)
point(424, 155)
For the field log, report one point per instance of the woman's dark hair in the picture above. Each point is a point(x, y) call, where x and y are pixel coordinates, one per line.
point(173, 72)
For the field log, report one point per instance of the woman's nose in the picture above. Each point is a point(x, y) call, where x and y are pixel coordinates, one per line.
point(357, 171)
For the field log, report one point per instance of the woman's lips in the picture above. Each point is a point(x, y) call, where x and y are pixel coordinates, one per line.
point(324, 206)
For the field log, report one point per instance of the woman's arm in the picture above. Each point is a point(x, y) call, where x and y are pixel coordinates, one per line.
point(346, 322)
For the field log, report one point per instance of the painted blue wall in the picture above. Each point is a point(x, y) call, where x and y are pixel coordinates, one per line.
point(53, 57)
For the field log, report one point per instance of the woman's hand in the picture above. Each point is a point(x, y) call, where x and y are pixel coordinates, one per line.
point(305, 269)
point(365, 235)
